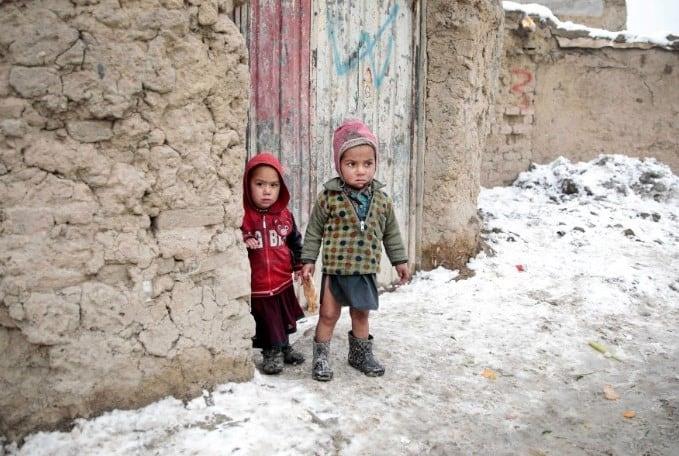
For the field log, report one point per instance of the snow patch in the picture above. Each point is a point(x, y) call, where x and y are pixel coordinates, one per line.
point(606, 177)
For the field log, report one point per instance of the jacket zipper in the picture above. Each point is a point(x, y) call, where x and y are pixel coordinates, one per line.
point(362, 222)
point(265, 235)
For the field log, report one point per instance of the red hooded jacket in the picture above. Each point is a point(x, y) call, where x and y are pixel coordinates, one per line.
point(280, 242)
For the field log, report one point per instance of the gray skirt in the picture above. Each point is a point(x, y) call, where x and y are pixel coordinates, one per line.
point(356, 291)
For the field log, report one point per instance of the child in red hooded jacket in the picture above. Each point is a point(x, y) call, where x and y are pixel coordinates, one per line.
point(274, 247)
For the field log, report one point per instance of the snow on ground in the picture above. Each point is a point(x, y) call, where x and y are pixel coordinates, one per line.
point(660, 37)
point(576, 253)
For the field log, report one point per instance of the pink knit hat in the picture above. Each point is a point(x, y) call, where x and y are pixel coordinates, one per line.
point(351, 133)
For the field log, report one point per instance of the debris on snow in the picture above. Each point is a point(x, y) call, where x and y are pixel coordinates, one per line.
point(489, 374)
point(610, 393)
point(603, 350)
point(563, 180)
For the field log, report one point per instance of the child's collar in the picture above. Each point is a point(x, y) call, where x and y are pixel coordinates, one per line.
point(357, 192)
point(336, 184)
point(367, 189)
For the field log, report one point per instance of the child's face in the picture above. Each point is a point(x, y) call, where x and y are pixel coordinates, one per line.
point(264, 186)
point(358, 166)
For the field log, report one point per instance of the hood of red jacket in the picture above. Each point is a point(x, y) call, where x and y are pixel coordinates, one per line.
point(265, 158)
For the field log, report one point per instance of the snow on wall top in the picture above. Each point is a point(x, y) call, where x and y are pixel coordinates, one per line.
point(660, 38)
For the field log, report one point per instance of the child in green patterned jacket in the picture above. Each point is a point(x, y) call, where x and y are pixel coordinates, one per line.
point(352, 217)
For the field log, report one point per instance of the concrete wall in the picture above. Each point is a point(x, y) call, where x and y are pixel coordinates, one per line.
point(463, 51)
point(122, 134)
point(605, 14)
point(557, 99)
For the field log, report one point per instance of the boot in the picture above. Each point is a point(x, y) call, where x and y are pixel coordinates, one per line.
point(361, 356)
point(321, 370)
point(273, 361)
point(291, 356)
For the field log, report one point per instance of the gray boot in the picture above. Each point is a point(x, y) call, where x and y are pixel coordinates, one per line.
point(321, 370)
point(273, 361)
point(361, 356)
point(291, 356)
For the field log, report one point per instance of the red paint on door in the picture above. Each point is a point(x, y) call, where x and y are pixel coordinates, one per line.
point(279, 105)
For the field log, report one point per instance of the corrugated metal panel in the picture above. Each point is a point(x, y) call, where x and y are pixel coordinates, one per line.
point(363, 66)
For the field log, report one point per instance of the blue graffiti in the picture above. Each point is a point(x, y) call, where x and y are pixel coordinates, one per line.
point(365, 49)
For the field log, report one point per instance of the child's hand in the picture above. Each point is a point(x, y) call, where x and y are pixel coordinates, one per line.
point(308, 271)
point(251, 243)
point(403, 272)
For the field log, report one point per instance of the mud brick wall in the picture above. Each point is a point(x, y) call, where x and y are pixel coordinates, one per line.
point(511, 142)
point(122, 132)
point(563, 94)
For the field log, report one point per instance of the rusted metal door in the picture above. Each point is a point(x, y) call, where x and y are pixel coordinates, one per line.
point(314, 64)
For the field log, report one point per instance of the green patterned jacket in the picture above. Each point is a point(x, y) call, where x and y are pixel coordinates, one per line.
point(350, 246)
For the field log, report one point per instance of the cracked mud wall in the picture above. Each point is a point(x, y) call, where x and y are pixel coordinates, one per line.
point(562, 95)
point(122, 133)
point(463, 59)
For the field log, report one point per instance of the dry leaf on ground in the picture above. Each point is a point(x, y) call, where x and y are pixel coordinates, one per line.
point(610, 394)
point(489, 374)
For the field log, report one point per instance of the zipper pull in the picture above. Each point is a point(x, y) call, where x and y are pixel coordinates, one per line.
point(264, 221)
point(362, 225)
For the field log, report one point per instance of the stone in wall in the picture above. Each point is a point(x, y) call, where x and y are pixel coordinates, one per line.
point(122, 139)
point(463, 58)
